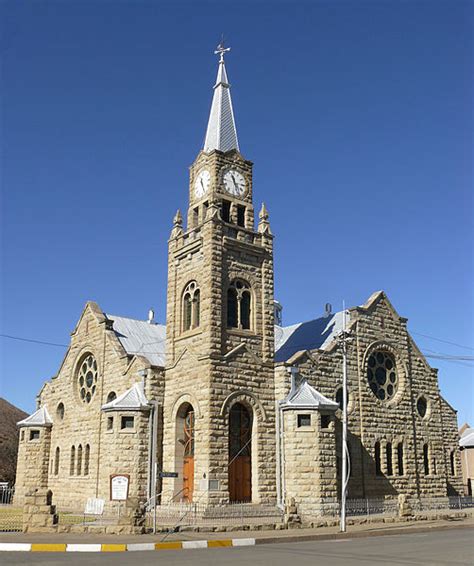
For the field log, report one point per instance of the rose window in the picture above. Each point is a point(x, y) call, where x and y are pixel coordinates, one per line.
point(87, 378)
point(382, 375)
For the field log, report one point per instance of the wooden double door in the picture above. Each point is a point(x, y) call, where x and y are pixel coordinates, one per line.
point(240, 454)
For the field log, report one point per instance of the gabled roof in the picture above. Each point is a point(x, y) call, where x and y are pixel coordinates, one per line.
point(467, 438)
point(312, 335)
point(221, 132)
point(41, 417)
point(307, 397)
point(133, 399)
point(141, 338)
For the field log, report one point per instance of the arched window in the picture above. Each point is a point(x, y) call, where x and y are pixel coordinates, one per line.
point(378, 467)
point(56, 461)
point(388, 455)
point(60, 411)
point(239, 305)
point(426, 460)
point(191, 306)
point(400, 458)
point(86, 459)
point(72, 461)
point(452, 462)
point(111, 396)
point(79, 461)
point(339, 397)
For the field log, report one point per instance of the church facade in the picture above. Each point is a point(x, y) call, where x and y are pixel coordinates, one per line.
point(237, 406)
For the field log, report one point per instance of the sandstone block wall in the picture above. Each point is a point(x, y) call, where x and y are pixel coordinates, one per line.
point(394, 422)
point(84, 426)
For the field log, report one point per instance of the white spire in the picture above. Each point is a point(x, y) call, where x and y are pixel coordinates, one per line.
point(221, 132)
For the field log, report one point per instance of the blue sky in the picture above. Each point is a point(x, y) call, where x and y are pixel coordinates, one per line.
point(357, 116)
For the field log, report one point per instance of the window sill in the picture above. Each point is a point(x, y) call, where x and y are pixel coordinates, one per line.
point(305, 429)
point(127, 431)
point(240, 332)
point(189, 333)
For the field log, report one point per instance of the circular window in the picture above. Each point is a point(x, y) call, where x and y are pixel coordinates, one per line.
point(422, 407)
point(382, 375)
point(60, 411)
point(87, 378)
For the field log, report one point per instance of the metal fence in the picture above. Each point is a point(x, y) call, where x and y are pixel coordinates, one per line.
point(186, 514)
point(11, 517)
point(389, 507)
point(359, 507)
point(443, 503)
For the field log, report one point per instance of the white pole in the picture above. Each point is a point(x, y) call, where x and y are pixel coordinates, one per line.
point(154, 462)
point(344, 421)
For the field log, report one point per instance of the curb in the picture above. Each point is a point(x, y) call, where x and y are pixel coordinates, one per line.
point(140, 546)
point(221, 543)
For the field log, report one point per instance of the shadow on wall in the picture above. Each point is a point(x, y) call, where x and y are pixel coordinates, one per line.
point(452, 491)
point(375, 485)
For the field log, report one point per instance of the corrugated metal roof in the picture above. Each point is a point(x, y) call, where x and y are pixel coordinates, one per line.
point(39, 418)
point(221, 131)
point(467, 438)
point(312, 335)
point(306, 396)
point(133, 399)
point(141, 338)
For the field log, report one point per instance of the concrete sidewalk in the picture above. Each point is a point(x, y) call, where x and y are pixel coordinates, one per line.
point(192, 539)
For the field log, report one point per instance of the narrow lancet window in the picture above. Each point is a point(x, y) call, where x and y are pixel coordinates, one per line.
point(87, 459)
point(388, 455)
point(426, 460)
point(79, 461)
point(400, 459)
point(191, 306)
point(56, 461)
point(239, 305)
point(378, 467)
point(72, 461)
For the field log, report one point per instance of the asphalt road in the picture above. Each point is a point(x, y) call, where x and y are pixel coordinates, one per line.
point(439, 548)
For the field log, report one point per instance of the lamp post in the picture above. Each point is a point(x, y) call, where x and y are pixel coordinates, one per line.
point(343, 339)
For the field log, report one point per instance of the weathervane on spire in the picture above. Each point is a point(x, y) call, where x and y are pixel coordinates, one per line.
point(221, 49)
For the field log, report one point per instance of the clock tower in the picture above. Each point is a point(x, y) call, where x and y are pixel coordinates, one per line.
point(219, 407)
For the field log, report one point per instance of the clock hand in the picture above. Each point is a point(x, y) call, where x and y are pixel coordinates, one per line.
point(202, 184)
point(234, 181)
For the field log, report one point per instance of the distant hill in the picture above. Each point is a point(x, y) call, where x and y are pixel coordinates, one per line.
point(9, 416)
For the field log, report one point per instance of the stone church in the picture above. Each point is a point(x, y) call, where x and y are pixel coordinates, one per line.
point(237, 406)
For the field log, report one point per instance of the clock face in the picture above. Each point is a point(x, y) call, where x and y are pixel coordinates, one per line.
point(202, 183)
point(234, 183)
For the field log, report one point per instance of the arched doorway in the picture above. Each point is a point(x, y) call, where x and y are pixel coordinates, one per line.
point(240, 450)
point(188, 455)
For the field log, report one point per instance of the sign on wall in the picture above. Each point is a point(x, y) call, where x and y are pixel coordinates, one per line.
point(119, 487)
point(168, 474)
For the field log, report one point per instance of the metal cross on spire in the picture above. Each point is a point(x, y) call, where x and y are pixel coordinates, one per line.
point(221, 49)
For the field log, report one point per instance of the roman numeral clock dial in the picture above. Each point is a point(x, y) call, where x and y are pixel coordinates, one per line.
point(234, 183)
